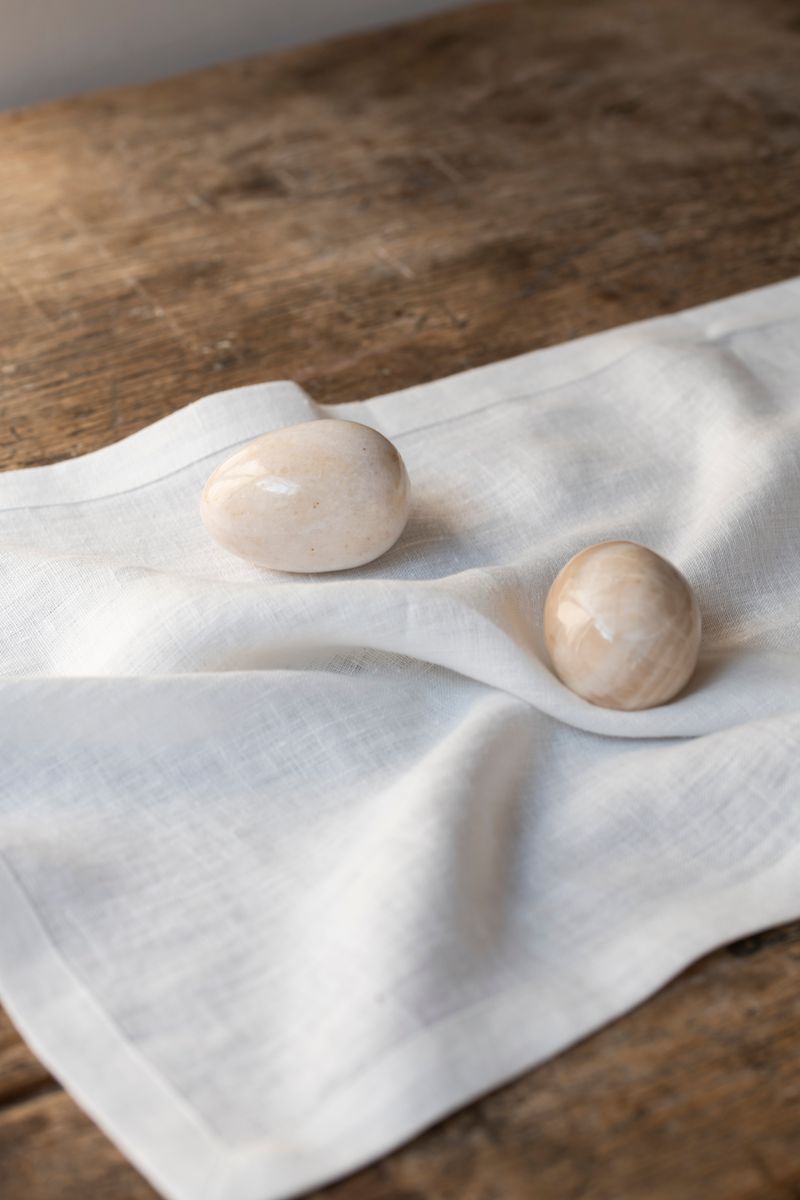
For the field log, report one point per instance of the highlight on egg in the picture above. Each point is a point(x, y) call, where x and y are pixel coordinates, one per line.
point(622, 626)
point(325, 495)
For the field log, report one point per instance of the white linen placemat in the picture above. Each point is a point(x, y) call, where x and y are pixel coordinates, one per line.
point(292, 866)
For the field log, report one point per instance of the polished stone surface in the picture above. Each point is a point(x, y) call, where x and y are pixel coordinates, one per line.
point(321, 496)
point(622, 626)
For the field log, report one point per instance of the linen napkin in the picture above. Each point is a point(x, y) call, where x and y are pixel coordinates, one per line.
point(292, 866)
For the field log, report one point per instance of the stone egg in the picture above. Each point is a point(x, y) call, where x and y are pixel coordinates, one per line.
point(321, 496)
point(622, 626)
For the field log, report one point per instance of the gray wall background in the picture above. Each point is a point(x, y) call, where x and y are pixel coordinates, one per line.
point(51, 48)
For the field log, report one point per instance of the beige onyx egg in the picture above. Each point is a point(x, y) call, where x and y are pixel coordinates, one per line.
point(622, 626)
point(322, 496)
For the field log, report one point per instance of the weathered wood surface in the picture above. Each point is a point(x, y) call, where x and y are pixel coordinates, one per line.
point(373, 213)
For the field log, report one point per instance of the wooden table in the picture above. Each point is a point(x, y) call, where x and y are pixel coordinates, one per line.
point(372, 213)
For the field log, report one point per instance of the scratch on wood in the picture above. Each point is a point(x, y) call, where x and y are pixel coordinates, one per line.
point(27, 299)
point(184, 339)
point(447, 169)
point(396, 264)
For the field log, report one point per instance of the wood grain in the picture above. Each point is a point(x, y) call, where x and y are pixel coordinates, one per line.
point(20, 1073)
point(372, 213)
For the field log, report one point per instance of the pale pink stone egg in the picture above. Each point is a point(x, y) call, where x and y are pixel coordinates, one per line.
point(622, 626)
point(321, 496)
